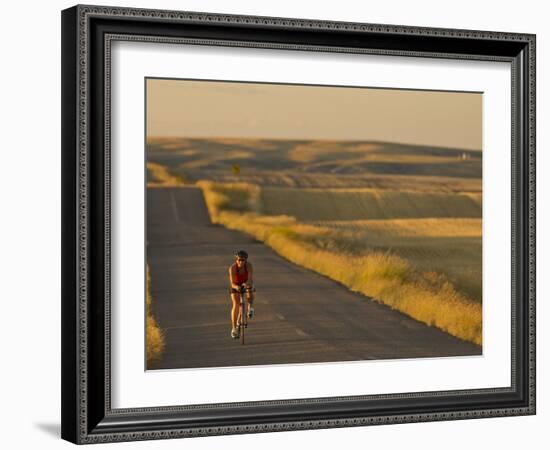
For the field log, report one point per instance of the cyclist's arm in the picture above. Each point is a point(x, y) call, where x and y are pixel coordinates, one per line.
point(232, 278)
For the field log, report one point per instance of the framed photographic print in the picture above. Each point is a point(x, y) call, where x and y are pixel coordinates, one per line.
point(277, 224)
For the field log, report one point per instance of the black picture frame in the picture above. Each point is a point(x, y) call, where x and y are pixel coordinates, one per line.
point(87, 416)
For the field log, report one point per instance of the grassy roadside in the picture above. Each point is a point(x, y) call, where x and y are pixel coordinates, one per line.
point(159, 175)
point(426, 296)
point(154, 334)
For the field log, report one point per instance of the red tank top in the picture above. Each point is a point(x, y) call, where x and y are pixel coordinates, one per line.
point(241, 277)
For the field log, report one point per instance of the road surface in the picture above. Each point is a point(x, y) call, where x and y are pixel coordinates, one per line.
point(301, 316)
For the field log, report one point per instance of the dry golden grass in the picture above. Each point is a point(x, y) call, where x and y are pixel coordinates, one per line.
point(159, 175)
point(241, 197)
point(327, 151)
point(429, 227)
point(448, 246)
point(154, 334)
point(320, 163)
point(315, 151)
point(383, 274)
point(300, 179)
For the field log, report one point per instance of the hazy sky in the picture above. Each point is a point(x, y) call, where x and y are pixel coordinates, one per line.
point(226, 109)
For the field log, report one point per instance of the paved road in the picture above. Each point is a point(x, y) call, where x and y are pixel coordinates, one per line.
point(301, 316)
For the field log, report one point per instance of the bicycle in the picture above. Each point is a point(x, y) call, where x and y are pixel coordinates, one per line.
point(242, 321)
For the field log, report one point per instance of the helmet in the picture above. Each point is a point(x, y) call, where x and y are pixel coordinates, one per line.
point(241, 254)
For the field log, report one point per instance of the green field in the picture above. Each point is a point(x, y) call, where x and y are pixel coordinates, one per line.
point(361, 204)
point(399, 223)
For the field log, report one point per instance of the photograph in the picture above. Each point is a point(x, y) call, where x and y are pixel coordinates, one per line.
point(298, 224)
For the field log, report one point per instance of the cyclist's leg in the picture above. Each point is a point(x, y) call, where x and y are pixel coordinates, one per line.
point(250, 296)
point(250, 301)
point(235, 309)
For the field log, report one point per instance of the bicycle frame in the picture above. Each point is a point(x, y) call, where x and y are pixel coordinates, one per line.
point(243, 323)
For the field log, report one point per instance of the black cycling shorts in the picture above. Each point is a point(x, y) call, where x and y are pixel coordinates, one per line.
point(235, 291)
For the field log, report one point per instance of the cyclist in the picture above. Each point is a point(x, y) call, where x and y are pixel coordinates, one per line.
point(240, 273)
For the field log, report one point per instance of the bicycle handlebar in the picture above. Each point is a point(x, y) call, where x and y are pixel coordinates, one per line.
point(243, 288)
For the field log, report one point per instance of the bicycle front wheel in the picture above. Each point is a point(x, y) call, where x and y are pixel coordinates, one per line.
point(243, 323)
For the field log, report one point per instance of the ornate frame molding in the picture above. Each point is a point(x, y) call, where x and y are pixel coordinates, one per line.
point(80, 217)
